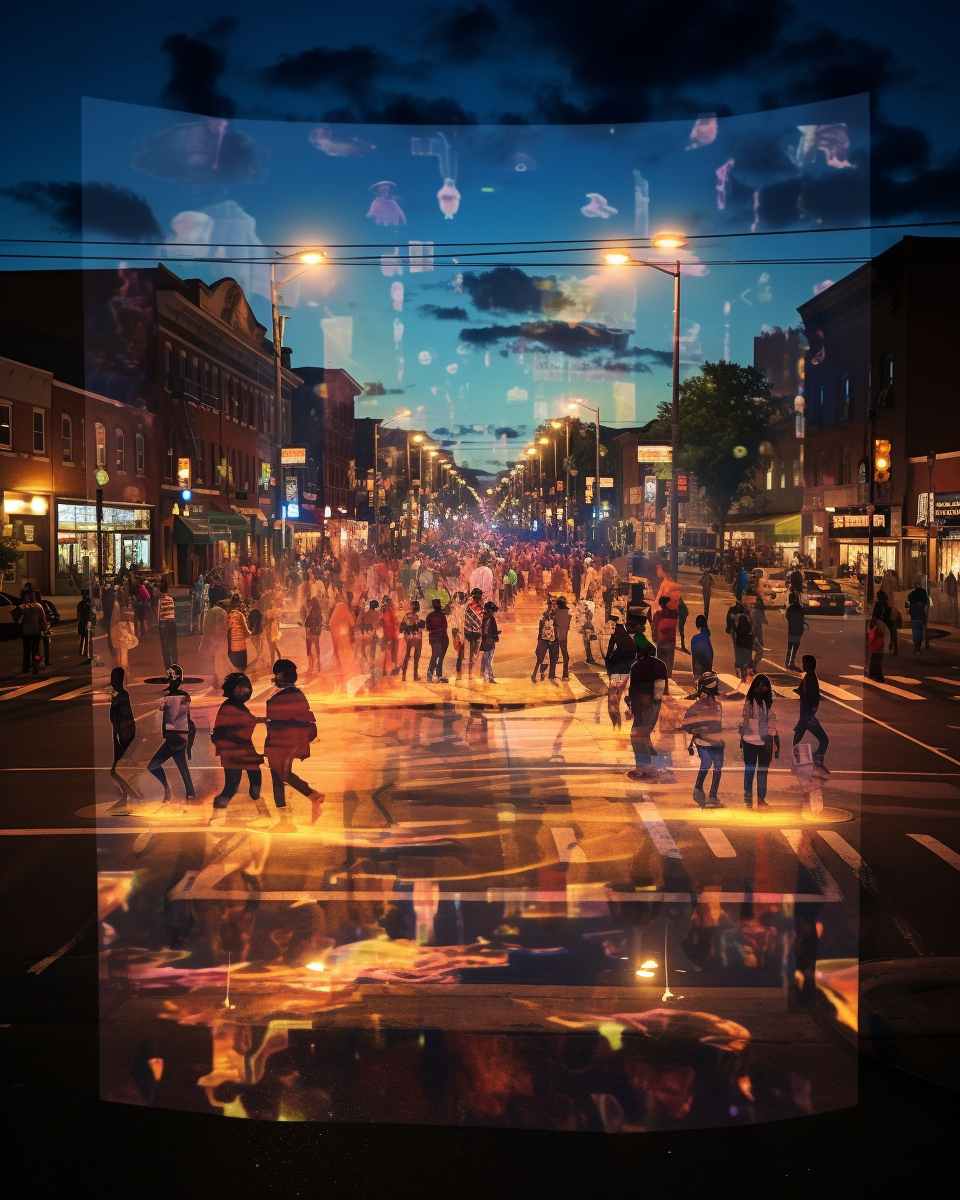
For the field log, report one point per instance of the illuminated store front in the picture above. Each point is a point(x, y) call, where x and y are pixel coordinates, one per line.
point(126, 540)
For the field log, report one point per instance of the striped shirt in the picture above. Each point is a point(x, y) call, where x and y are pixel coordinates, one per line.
point(166, 611)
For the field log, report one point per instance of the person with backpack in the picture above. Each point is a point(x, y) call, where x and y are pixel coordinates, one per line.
point(33, 624)
point(742, 633)
point(232, 737)
point(796, 624)
point(918, 606)
point(178, 732)
point(411, 630)
point(439, 639)
point(703, 722)
point(473, 626)
point(620, 656)
point(561, 629)
point(645, 692)
point(291, 727)
point(546, 639)
point(312, 628)
point(489, 636)
point(809, 692)
point(701, 649)
point(759, 739)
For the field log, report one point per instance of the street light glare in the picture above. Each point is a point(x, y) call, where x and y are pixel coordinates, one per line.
point(617, 258)
point(312, 257)
point(418, 437)
point(669, 241)
point(544, 441)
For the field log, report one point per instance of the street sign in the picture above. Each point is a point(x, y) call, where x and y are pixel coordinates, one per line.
point(293, 456)
point(654, 454)
point(606, 481)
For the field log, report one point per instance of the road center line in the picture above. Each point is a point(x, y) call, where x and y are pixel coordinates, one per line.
point(938, 848)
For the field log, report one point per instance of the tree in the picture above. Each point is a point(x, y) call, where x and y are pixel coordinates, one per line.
point(725, 415)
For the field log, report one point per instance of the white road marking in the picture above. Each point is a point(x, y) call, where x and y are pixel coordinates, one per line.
point(938, 848)
point(886, 687)
point(800, 845)
point(840, 693)
point(81, 691)
point(732, 681)
point(67, 945)
point(907, 679)
point(719, 843)
point(32, 687)
point(836, 843)
point(939, 679)
point(567, 848)
point(911, 936)
point(660, 835)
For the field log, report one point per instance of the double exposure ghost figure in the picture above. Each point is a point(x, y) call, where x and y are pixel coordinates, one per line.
point(598, 207)
point(396, 295)
point(833, 140)
point(723, 183)
point(384, 207)
point(439, 148)
point(704, 131)
point(324, 140)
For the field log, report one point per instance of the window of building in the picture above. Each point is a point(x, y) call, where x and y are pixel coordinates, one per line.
point(183, 365)
point(769, 476)
point(100, 432)
point(168, 457)
point(39, 431)
point(783, 474)
point(797, 472)
point(141, 452)
point(216, 384)
point(66, 438)
point(6, 426)
point(885, 397)
point(845, 465)
point(196, 371)
point(845, 397)
point(121, 444)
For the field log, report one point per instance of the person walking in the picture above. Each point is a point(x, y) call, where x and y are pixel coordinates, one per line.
point(682, 613)
point(546, 637)
point(232, 738)
point(796, 624)
point(620, 656)
point(706, 589)
point(918, 606)
point(585, 611)
point(199, 600)
point(271, 605)
point(795, 582)
point(759, 739)
point(167, 626)
point(701, 649)
point(664, 629)
point(291, 727)
point(740, 583)
point(489, 636)
point(809, 692)
point(312, 629)
point(439, 639)
point(123, 636)
point(703, 722)
point(609, 579)
point(645, 692)
point(85, 626)
point(411, 630)
point(894, 623)
point(742, 642)
point(561, 629)
point(458, 607)
point(44, 633)
point(473, 626)
point(576, 575)
point(390, 624)
point(124, 729)
point(759, 621)
point(878, 642)
point(178, 732)
point(237, 633)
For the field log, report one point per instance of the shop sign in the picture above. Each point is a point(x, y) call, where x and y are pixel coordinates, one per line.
point(293, 456)
point(946, 508)
point(847, 526)
point(654, 454)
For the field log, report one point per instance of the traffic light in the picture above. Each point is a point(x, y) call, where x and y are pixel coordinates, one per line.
point(183, 477)
point(881, 460)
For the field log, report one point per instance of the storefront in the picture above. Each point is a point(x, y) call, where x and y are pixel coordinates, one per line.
point(334, 534)
point(848, 537)
point(775, 538)
point(26, 520)
point(126, 530)
point(206, 540)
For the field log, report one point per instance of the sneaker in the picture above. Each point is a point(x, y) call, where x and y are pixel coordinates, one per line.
point(748, 800)
point(699, 798)
point(820, 765)
point(762, 804)
point(444, 679)
point(715, 802)
point(533, 678)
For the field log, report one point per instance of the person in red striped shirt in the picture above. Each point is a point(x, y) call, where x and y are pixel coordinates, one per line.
point(167, 626)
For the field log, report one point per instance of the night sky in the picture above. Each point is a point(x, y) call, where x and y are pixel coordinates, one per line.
point(548, 111)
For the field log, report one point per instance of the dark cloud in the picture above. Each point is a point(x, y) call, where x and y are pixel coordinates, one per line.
point(574, 340)
point(93, 207)
point(201, 152)
point(813, 68)
point(466, 34)
point(403, 108)
point(196, 67)
point(351, 70)
point(508, 289)
point(219, 28)
point(504, 431)
point(439, 313)
point(905, 180)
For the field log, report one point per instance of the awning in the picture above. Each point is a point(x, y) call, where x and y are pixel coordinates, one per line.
point(28, 546)
point(229, 525)
point(772, 528)
point(191, 531)
point(249, 512)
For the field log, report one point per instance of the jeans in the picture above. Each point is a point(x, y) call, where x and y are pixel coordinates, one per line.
point(238, 659)
point(710, 757)
point(792, 650)
point(177, 750)
point(544, 649)
point(31, 652)
point(473, 650)
point(168, 642)
point(666, 652)
point(756, 760)
point(875, 670)
point(917, 629)
point(281, 772)
point(559, 650)
point(646, 713)
point(415, 648)
point(615, 689)
point(231, 782)
point(486, 665)
point(438, 651)
point(809, 720)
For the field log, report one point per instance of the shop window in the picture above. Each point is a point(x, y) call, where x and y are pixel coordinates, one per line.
point(66, 438)
point(783, 475)
point(845, 397)
point(769, 478)
point(39, 431)
point(121, 445)
point(100, 432)
point(6, 426)
point(141, 455)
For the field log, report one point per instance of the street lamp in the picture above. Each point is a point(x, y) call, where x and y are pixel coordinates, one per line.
point(310, 258)
point(667, 240)
point(572, 406)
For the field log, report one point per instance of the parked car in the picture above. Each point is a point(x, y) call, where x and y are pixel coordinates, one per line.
point(8, 606)
point(821, 594)
point(824, 596)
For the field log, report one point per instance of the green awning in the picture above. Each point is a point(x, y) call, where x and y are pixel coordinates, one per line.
point(228, 525)
point(787, 529)
point(191, 531)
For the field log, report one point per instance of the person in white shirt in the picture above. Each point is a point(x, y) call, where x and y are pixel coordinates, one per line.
point(759, 739)
point(482, 577)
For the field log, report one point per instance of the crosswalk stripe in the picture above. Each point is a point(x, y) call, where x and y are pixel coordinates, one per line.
point(938, 848)
point(719, 843)
point(838, 692)
point(940, 679)
point(567, 848)
point(732, 681)
point(32, 687)
point(836, 843)
point(81, 691)
point(805, 853)
point(886, 687)
point(659, 834)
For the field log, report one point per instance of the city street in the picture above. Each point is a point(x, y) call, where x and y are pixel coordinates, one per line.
point(482, 865)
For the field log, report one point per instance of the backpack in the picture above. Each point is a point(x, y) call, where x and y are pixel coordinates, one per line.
point(31, 624)
point(548, 633)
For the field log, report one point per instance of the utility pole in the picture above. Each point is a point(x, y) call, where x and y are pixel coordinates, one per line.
point(871, 454)
point(675, 432)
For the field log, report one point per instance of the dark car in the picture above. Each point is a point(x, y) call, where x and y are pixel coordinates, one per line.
point(825, 597)
point(9, 626)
